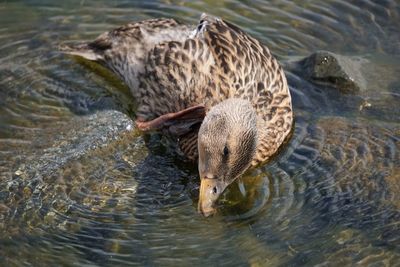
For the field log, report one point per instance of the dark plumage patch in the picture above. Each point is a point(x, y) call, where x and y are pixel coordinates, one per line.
point(187, 44)
point(217, 50)
point(173, 45)
point(167, 59)
point(224, 42)
point(233, 27)
point(279, 122)
point(184, 58)
point(234, 36)
point(239, 52)
point(100, 44)
point(260, 87)
point(225, 67)
point(254, 47)
point(220, 27)
point(193, 44)
point(278, 99)
point(273, 111)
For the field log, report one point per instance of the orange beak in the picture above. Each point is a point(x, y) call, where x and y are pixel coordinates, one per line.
point(210, 190)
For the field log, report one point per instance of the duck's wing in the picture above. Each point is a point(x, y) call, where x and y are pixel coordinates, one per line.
point(244, 67)
point(216, 62)
point(124, 49)
point(171, 94)
point(136, 50)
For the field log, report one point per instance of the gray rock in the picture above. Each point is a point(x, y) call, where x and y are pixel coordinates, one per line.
point(340, 72)
point(75, 139)
point(367, 84)
point(72, 172)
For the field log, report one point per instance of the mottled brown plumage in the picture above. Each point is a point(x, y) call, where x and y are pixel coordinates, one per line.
point(178, 74)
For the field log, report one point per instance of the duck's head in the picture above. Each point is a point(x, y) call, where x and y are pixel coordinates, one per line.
point(227, 142)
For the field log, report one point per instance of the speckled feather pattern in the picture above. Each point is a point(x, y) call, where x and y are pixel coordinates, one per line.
point(170, 66)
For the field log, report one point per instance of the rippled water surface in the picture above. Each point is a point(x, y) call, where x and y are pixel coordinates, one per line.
point(73, 197)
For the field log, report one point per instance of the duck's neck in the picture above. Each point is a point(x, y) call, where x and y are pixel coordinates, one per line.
point(274, 127)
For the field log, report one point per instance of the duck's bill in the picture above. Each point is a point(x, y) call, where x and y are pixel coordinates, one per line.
point(210, 190)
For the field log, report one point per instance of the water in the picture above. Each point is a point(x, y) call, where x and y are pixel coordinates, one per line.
point(331, 196)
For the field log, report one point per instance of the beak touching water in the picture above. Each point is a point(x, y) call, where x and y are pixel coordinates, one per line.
point(210, 190)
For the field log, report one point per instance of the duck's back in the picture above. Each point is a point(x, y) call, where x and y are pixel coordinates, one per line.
point(216, 61)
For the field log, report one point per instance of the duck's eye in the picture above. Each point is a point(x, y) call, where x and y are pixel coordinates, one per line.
point(226, 151)
point(215, 190)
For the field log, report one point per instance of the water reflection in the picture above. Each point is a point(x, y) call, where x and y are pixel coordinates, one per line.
point(246, 197)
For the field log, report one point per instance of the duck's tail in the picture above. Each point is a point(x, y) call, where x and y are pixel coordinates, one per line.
point(86, 50)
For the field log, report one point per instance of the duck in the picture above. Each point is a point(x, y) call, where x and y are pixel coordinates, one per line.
point(217, 91)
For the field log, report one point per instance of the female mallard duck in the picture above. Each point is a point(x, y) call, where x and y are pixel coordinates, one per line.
point(218, 91)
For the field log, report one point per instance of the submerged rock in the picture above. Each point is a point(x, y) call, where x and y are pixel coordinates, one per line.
point(76, 138)
point(51, 180)
point(340, 72)
point(366, 85)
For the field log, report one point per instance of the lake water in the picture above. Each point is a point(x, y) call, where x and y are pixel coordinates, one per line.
point(331, 197)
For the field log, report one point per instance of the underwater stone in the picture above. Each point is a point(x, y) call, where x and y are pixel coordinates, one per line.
point(341, 72)
point(76, 138)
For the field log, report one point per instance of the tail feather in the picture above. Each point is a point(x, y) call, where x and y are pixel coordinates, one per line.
point(84, 50)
